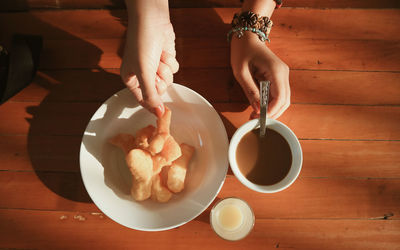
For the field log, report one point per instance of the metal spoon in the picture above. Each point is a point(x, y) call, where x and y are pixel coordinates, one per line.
point(264, 96)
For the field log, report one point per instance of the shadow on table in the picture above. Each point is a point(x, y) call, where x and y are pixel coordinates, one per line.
point(205, 216)
point(57, 123)
point(74, 94)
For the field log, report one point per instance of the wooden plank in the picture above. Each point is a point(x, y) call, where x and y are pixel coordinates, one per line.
point(322, 198)
point(319, 87)
point(23, 5)
point(312, 197)
point(289, 23)
point(44, 190)
point(326, 158)
point(295, 23)
point(340, 87)
point(46, 118)
point(65, 24)
point(49, 119)
point(328, 121)
point(375, 159)
point(342, 4)
point(40, 153)
point(371, 55)
point(307, 86)
point(368, 55)
point(86, 85)
point(20, 230)
point(293, 3)
point(108, 4)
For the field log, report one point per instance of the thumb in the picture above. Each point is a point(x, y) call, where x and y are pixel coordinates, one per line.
point(249, 87)
point(151, 100)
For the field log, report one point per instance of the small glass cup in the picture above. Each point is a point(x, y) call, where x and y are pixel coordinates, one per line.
point(237, 206)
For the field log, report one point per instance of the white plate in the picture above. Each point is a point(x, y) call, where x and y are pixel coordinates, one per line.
point(108, 180)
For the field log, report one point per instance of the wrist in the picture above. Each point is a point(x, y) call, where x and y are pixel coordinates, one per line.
point(260, 7)
point(247, 38)
point(249, 21)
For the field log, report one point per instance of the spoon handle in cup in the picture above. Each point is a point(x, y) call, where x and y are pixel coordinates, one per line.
point(264, 96)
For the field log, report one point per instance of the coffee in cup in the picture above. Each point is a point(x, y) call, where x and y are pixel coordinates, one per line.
point(268, 164)
point(264, 160)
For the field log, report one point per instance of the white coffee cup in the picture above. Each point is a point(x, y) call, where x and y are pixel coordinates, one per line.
point(295, 147)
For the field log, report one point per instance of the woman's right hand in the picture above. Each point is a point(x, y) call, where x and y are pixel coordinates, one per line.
point(149, 62)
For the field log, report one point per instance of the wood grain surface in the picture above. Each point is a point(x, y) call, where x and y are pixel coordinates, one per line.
point(95, 230)
point(288, 23)
point(344, 58)
point(23, 5)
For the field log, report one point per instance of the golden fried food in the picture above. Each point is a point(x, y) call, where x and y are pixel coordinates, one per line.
point(148, 153)
point(157, 143)
point(158, 191)
point(141, 166)
point(158, 163)
point(141, 190)
point(177, 171)
point(163, 123)
point(124, 141)
point(143, 137)
point(171, 150)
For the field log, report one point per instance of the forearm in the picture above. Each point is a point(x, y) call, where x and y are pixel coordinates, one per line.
point(146, 11)
point(260, 7)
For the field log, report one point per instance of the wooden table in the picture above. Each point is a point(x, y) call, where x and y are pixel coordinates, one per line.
point(345, 80)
